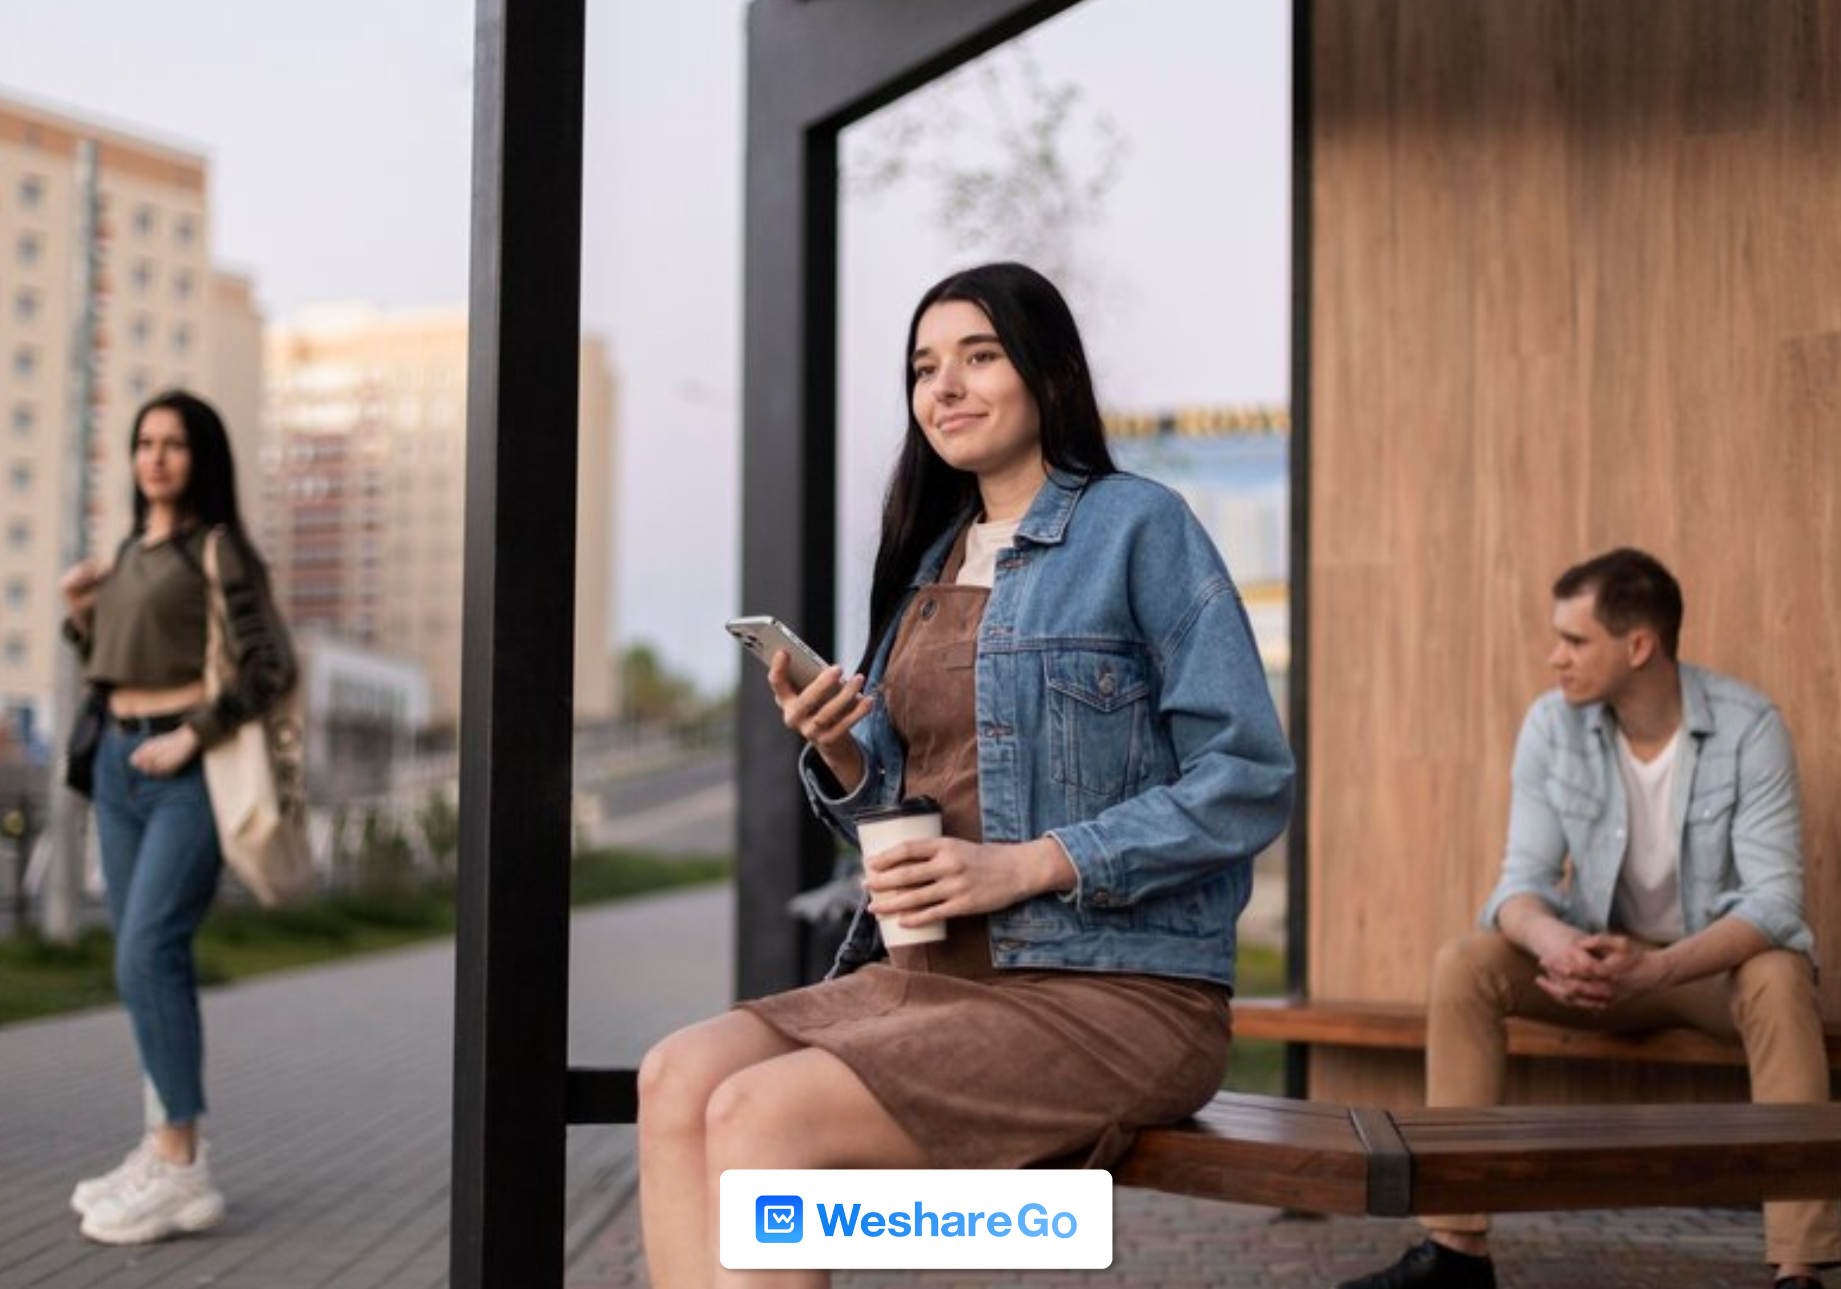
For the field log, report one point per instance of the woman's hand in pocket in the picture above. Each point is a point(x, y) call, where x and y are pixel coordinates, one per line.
point(164, 755)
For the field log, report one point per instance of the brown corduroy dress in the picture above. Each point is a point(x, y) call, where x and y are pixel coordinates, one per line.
point(988, 1068)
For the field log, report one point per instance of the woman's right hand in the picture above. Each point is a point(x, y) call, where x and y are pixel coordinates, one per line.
point(823, 714)
point(79, 584)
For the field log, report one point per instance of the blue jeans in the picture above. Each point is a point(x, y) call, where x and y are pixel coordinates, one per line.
point(160, 861)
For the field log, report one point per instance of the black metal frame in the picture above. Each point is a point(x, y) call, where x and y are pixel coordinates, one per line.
point(1297, 685)
point(814, 66)
point(511, 1022)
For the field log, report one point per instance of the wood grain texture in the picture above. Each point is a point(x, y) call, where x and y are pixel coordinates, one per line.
point(1577, 284)
point(1327, 1158)
point(1402, 1027)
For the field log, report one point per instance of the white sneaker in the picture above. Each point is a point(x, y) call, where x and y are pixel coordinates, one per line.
point(166, 1199)
point(92, 1190)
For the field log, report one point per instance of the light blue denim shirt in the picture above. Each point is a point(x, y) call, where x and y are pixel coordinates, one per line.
point(1121, 707)
point(1735, 806)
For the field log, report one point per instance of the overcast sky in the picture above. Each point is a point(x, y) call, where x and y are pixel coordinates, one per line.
point(338, 141)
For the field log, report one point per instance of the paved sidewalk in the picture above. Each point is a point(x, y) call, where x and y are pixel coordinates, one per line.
point(330, 1135)
point(331, 1103)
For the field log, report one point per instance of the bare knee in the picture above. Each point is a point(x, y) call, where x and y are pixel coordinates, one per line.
point(756, 1118)
point(675, 1080)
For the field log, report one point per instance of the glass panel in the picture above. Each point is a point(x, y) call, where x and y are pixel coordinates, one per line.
point(1155, 190)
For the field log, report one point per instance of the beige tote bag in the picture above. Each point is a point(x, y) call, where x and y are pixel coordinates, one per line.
point(256, 777)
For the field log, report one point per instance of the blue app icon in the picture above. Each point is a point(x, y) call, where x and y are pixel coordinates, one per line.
point(779, 1219)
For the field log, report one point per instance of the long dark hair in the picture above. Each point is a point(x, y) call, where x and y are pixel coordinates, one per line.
point(925, 495)
point(210, 498)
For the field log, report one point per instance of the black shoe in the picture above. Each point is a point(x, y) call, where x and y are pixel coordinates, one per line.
point(1430, 1265)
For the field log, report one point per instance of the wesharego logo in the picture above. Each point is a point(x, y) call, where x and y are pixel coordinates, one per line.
point(779, 1219)
point(1032, 1220)
point(916, 1219)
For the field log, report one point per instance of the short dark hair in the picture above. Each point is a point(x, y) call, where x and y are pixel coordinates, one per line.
point(1629, 588)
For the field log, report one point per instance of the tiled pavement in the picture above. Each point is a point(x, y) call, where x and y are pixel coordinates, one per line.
point(330, 1123)
point(330, 1111)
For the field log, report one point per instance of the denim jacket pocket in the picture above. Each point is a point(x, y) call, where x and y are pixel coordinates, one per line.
point(1573, 800)
point(1098, 710)
point(1713, 807)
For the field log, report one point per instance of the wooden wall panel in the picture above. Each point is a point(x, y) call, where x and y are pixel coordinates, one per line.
point(1578, 284)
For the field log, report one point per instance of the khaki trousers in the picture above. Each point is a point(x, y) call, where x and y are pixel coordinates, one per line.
point(1768, 1002)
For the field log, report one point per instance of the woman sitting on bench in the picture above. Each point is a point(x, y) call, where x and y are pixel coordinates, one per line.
point(1059, 658)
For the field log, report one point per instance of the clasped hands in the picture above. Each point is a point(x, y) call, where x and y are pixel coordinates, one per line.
point(1599, 971)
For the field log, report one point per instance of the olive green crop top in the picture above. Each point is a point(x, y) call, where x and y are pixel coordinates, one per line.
point(148, 629)
point(149, 620)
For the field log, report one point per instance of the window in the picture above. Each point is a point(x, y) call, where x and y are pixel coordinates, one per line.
point(140, 384)
point(182, 338)
point(184, 230)
point(19, 535)
point(15, 650)
point(29, 248)
point(182, 285)
point(25, 362)
point(141, 329)
point(22, 419)
point(21, 476)
point(143, 221)
point(142, 277)
point(31, 192)
point(16, 594)
point(25, 305)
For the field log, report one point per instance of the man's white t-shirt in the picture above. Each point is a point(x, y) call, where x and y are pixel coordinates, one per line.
point(1648, 899)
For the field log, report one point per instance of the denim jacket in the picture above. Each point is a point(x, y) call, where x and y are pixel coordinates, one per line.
point(1121, 708)
point(1735, 804)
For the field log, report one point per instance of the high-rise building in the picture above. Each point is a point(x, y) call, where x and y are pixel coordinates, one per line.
point(107, 295)
point(364, 458)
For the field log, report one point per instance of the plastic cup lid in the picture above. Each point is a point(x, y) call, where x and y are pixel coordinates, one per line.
point(900, 810)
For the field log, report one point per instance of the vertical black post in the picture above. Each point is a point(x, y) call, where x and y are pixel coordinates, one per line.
point(789, 473)
point(1297, 859)
point(512, 986)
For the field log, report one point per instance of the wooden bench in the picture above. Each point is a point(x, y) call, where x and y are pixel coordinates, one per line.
point(1400, 1026)
point(1322, 1157)
point(1319, 1157)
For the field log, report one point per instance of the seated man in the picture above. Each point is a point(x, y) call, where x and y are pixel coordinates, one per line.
point(1673, 791)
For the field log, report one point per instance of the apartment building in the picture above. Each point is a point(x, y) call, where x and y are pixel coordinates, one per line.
point(107, 294)
point(364, 490)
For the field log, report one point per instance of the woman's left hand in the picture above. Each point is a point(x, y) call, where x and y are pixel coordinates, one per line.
point(943, 877)
point(165, 755)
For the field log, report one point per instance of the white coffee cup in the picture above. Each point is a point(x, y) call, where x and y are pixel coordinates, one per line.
point(882, 827)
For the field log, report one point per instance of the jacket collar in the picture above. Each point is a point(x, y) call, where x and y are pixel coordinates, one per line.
point(1044, 523)
point(1696, 708)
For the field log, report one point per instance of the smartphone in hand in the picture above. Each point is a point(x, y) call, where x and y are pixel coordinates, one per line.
point(765, 636)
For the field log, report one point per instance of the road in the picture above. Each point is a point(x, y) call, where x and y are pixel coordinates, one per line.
point(683, 808)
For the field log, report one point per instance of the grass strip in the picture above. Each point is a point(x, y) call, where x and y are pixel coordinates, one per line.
point(237, 942)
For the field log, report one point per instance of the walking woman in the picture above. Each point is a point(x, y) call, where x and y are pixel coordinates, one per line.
point(141, 626)
point(1059, 658)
